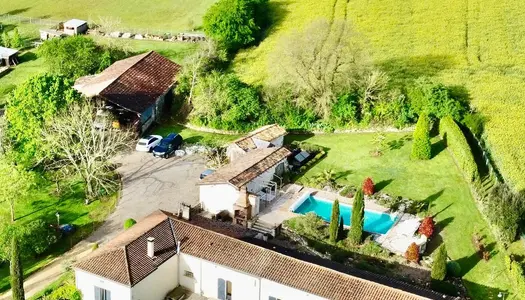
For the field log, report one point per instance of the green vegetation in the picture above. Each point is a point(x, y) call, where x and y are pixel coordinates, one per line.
point(517, 274)
point(437, 182)
point(439, 264)
point(62, 288)
point(358, 219)
point(194, 136)
point(450, 42)
point(16, 272)
point(236, 23)
point(421, 149)
point(458, 145)
point(164, 15)
point(334, 222)
point(128, 224)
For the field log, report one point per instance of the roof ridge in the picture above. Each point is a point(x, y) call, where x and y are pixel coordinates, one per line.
point(128, 275)
point(171, 216)
point(275, 149)
point(144, 55)
point(254, 132)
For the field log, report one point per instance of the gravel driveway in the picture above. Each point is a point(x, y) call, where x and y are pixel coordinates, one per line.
point(149, 184)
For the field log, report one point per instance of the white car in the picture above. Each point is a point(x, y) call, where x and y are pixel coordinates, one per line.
point(146, 144)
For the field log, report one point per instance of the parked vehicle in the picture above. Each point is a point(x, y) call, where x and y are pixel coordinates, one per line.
point(146, 144)
point(206, 173)
point(168, 145)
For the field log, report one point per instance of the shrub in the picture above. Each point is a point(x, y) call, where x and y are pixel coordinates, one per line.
point(358, 210)
point(475, 122)
point(421, 148)
point(309, 225)
point(439, 266)
point(516, 274)
point(412, 253)
point(334, 222)
point(222, 101)
point(67, 291)
point(435, 99)
point(454, 268)
point(129, 223)
point(94, 246)
point(427, 227)
point(236, 23)
point(345, 110)
point(16, 39)
point(368, 187)
point(6, 40)
point(37, 237)
point(458, 145)
point(308, 147)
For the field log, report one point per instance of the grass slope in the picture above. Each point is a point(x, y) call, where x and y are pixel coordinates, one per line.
point(477, 45)
point(437, 180)
point(166, 15)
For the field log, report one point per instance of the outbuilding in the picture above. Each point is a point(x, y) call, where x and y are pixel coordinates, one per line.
point(135, 90)
point(263, 137)
point(75, 26)
point(47, 34)
point(8, 57)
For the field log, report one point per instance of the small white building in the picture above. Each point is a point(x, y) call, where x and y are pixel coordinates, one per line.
point(240, 186)
point(264, 137)
point(75, 26)
point(163, 252)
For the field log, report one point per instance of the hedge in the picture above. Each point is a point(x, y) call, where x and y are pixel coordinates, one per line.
point(421, 148)
point(457, 143)
point(517, 276)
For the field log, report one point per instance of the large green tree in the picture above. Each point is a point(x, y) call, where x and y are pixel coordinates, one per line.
point(15, 183)
point(358, 216)
point(422, 148)
point(334, 222)
point(29, 107)
point(236, 23)
point(436, 100)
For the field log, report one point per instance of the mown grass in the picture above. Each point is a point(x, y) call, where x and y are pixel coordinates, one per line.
point(438, 181)
point(43, 203)
point(167, 15)
point(193, 136)
point(477, 45)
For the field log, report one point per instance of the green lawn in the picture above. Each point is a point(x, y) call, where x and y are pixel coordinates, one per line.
point(193, 136)
point(437, 180)
point(43, 204)
point(477, 45)
point(167, 15)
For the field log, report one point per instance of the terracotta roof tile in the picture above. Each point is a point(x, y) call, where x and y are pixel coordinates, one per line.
point(235, 251)
point(266, 133)
point(241, 171)
point(133, 83)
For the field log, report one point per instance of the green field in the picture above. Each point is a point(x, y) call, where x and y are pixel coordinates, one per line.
point(477, 45)
point(438, 181)
point(161, 15)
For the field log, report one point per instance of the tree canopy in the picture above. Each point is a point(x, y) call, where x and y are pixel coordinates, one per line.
point(29, 107)
point(236, 23)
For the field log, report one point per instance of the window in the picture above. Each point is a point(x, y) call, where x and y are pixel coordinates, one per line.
point(273, 298)
point(224, 289)
point(188, 274)
point(153, 140)
point(102, 294)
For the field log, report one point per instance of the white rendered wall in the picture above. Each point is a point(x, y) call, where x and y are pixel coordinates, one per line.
point(283, 292)
point(244, 287)
point(193, 265)
point(86, 283)
point(218, 197)
point(255, 185)
point(159, 283)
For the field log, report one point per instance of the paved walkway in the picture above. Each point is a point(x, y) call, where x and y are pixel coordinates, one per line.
point(148, 184)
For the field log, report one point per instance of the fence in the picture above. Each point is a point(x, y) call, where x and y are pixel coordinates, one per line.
point(7, 18)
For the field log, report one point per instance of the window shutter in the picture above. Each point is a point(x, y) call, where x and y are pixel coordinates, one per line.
point(272, 298)
point(221, 294)
point(108, 295)
point(98, 293)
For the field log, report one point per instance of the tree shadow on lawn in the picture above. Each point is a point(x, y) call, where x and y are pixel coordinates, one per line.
point(277, 12)
point(487, 292)
point(382, 184)
point(467, 263)
point(399, 143)
point(413, 67)
point(343, 174)
point(18, 11)
point(438, 147)
point(429, 201)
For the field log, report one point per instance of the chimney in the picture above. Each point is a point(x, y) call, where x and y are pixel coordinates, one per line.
point(151, 247)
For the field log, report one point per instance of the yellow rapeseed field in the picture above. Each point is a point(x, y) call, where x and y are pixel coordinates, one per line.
point(478, 45)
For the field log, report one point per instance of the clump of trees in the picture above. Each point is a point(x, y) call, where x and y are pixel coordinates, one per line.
point(422, 148)
point(12, 41)
point(236, 23)
point(78, 56)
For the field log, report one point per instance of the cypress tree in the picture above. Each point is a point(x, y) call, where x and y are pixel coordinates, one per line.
point(334, 222)
point(341, 230)
point(421, 148)
point(16, 272)
point(439, 266)
point(358, 214)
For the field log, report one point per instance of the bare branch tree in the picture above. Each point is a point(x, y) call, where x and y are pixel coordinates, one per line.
point(321, 61)
point(78, 145)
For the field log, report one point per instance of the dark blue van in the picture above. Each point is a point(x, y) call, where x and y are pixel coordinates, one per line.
point(168, 145)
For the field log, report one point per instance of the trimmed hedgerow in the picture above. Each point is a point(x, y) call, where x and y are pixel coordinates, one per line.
point(457, 143)
point(439, 266)
point(421, 149)
point(516, 274)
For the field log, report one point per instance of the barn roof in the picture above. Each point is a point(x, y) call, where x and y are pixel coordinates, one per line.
point(133, 83)
point(266, 133)
point(7, 52)
point(74, 23)
point(125, 260)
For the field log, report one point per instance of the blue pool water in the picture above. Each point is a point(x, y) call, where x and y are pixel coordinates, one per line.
point(374, 222)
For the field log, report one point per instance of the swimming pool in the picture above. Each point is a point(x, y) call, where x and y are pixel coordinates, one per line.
point(375, 222)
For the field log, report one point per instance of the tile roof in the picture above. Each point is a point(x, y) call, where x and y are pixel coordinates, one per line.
point(233, 252)
point(266, 133)
point(133, 83)
point(241, 171)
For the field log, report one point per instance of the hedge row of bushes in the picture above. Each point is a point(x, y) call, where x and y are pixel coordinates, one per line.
point(457, 143)
point(517, 276)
